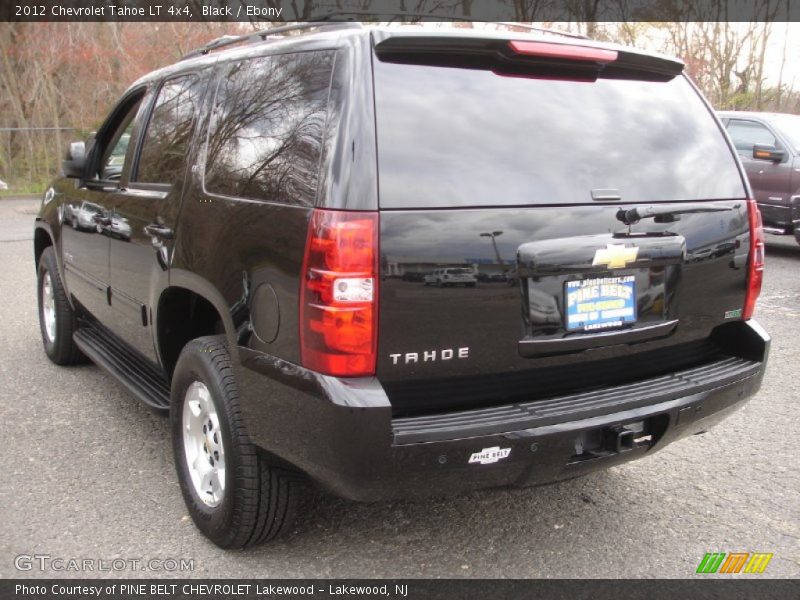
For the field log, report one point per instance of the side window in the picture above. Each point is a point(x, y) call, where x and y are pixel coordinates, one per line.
point(745, 134)
point(113, 146)
point(165, 141)
point(267, 127)
point(120, 149)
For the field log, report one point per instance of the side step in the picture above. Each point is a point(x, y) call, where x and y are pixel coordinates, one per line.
point(141, 378)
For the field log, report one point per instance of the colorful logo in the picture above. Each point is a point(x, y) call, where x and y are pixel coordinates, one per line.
point(734, 562)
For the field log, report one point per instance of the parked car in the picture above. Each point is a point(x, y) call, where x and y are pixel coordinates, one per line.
point(769, 147)
point(84, 216)
point(250, 303)
point(413, 276)
point(114, 226)
point(491, 277)
point(452, 276)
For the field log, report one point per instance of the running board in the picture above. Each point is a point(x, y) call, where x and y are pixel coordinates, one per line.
point(141, 378)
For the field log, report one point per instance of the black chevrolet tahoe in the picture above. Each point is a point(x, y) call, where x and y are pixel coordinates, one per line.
point(259, 259)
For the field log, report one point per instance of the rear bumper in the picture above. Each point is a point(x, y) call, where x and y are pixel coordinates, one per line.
point(341, 432)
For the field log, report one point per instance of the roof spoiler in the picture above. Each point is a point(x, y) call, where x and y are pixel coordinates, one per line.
point(526, 56)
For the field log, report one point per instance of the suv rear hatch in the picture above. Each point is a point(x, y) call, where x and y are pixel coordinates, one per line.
point(591, 192)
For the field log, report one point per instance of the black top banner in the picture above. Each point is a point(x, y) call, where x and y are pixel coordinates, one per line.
point(399, 10)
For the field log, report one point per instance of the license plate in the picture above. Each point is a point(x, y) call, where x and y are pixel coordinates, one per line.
point(600, 303)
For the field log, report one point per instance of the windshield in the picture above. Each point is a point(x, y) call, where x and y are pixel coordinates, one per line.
point(450, 137)
point(790, 128)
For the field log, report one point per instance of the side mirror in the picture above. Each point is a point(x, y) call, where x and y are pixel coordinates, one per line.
point(74, 164)
point(767, 152)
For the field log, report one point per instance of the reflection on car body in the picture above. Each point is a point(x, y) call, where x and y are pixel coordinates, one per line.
point(114, 226)
point(82, 216)
point(542, 308)
point(451, 276)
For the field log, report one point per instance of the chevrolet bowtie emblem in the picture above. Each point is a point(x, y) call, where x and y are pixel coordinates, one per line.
point(615, 256)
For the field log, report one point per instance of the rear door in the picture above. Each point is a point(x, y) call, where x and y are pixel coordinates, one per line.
point(141, 223)
point(527, 174)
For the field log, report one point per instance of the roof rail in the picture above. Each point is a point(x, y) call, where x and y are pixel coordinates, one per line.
point(344, 16)
point(338, 20)
point(263, 34)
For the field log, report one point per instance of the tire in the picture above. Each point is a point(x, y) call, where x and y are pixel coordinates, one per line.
point(254, 501)
point(57, 320)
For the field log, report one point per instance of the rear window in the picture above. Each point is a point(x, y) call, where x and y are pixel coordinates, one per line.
point(463, 137)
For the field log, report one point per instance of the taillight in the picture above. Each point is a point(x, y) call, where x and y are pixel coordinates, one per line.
point(339, 293)
point(563, 51)
point(755, 264)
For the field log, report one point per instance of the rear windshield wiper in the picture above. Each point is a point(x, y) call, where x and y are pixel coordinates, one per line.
point(666, 214)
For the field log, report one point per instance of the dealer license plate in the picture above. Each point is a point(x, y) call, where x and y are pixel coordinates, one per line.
point(600, 303)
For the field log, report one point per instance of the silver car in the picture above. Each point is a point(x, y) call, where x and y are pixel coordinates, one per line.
point(83, 216)
point(452, 276)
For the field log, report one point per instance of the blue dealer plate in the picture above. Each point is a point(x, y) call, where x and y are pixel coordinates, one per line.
point(600, 303)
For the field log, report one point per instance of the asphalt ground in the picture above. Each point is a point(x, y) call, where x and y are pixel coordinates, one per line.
point(88, 474)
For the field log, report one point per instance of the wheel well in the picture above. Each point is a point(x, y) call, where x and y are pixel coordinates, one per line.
point(183, 316)
point(41, 240)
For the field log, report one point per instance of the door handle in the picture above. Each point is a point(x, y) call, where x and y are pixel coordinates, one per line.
point(159, 231)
